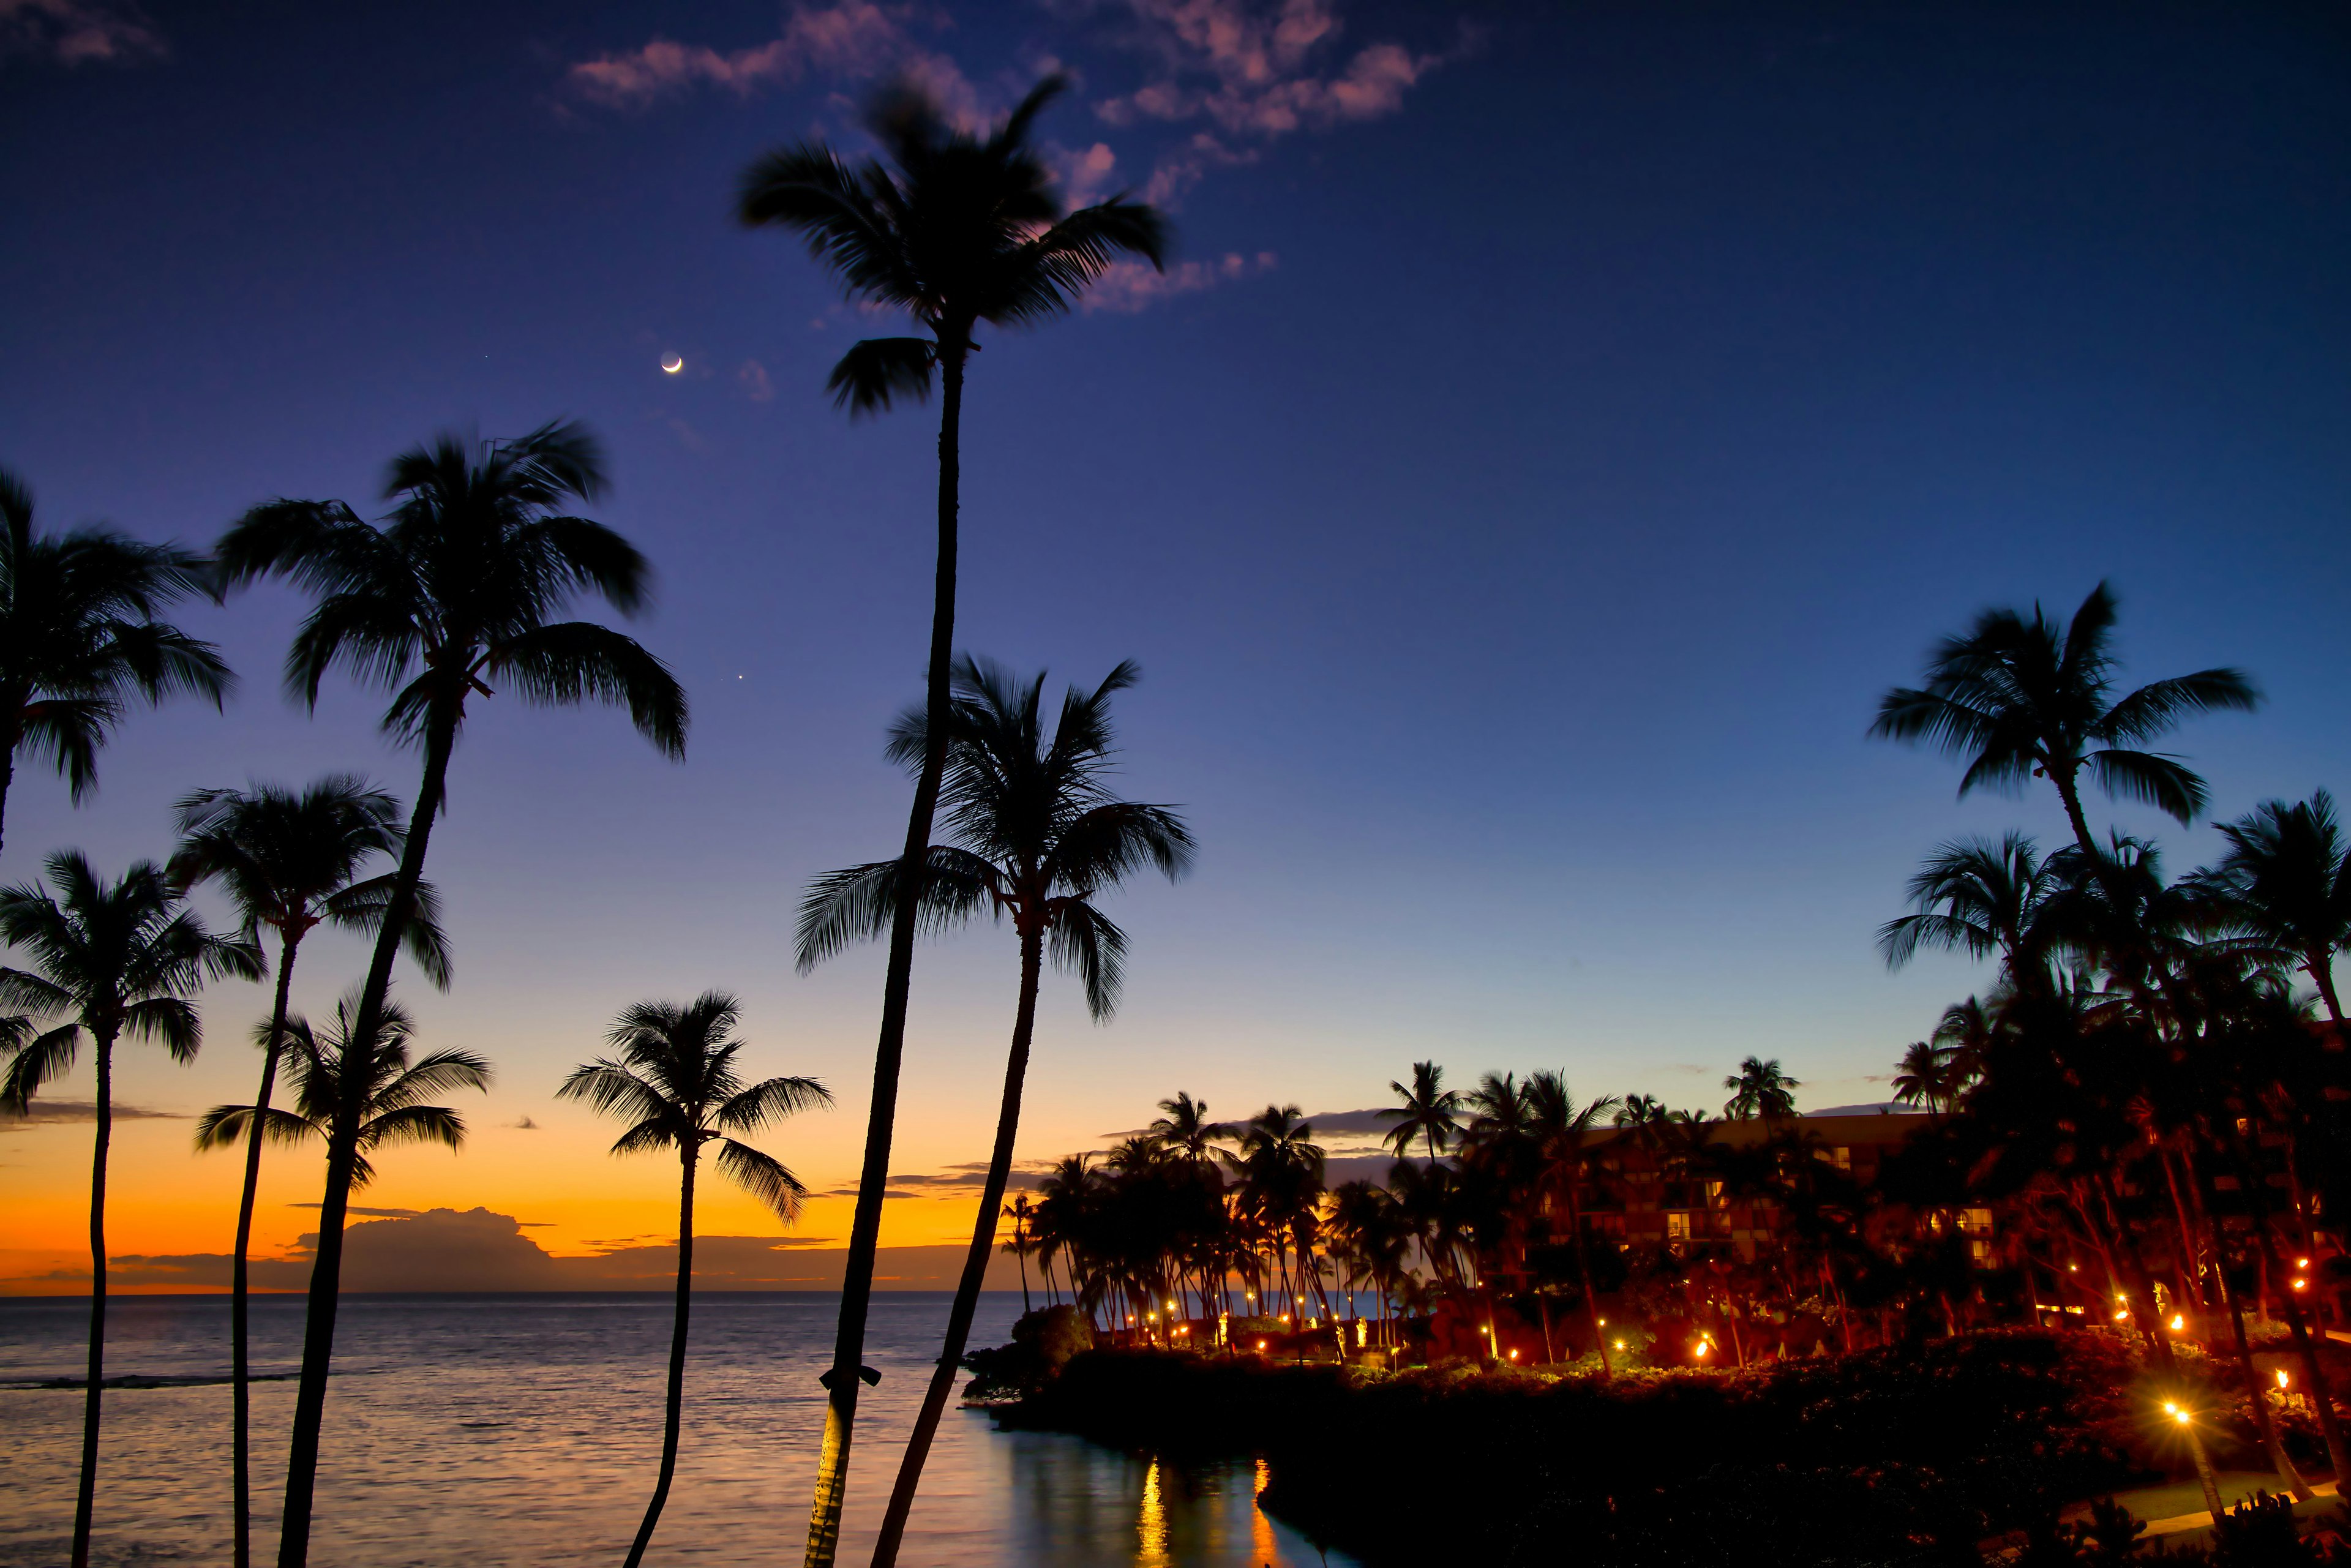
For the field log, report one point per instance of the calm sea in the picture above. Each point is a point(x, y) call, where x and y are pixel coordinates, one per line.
point(488, 1430)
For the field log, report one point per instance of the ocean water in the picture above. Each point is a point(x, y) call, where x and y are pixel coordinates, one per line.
point(525, 1429)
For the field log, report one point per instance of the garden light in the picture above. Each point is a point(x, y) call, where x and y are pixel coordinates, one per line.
point(2280, 1377)
point(2302, 1284)
point(2179, 1321)
point(1514, 1355)
point(2302, 1262)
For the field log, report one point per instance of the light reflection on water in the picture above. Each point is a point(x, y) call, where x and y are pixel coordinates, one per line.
point(525, 1429)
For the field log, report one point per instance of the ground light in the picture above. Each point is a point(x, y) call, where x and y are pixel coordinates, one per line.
point(2184, 1419)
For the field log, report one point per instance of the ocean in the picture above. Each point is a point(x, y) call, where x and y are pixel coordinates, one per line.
point(525, 1429)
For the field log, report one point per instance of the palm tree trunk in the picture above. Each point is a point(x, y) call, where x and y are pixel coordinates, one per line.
point(975, 1262)
point(688, 1154)
point(86, 1497)
point(8, 777)
point(2321, 967)
point(240, 1398)
point(1583, 1268)
point(842, 1383)
point(1023, 1255)
point(342, 1150)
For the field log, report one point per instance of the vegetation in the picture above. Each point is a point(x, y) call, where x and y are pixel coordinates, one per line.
point(80, 638)
point(675, 1084)
point(1038, 837)
point(955, 230)
point(110, 960)
point(290, 863)
point(456, 589)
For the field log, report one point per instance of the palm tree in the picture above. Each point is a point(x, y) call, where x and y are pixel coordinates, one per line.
point(80, 638)
point(1563, 1130)
point(955, 230)
point(1429, 1112)
point(392, 1097)
point(2287, 882)
point(1183, 1126)
point(1038, 837)
point(113, 960)
point(1981, 898)
point(1021, 1212)
point(290, 863)
point(1281, 1171)
point(456, 591)
point(2021, 699)
point(675, 1084)
point(1761, 1088)
point(1925, 1076)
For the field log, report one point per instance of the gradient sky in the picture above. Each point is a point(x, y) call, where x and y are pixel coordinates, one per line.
point(1559, 430)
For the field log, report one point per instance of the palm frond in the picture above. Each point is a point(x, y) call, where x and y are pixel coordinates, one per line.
point(763, 1176)
point(771, 1101)
point(877, 371)
point(578, 661)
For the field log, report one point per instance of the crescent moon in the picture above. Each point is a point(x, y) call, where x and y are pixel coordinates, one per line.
point(673, 364)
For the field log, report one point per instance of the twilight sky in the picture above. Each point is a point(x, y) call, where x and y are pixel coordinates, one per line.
point(1557, 430)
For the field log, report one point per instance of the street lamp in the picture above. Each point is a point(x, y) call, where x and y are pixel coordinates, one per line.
point(2186, 1420)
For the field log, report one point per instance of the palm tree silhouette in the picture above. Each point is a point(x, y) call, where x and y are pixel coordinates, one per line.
point(1925, 1076)
point(675, 1084)
point(2287, 880)
point(1038, 837)
point(1429, 1112)
point(1760, 1089)
point(1183, 1127)
point(456, 589)
point(1021, 1211)
point(2019, 699)
point(80, 638)
point(113, 960)
point(391, 1094)
point(1563, 1132)
point(1987, 899)
point(290, 863)
point(955, 230)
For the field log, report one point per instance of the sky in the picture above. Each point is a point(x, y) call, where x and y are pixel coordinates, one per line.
point(1557, 428)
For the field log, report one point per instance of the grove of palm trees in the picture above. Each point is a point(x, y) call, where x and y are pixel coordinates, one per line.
point(2083, 1254)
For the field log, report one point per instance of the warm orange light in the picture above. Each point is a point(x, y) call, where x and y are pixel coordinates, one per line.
point(2302, 1262)
point(1261, 1344)
point(2280, 1377)
point(2302, 1284)
point(2120, 1316)
point(2073, 1267)
point(2180, 1415)
point(2179, 1321)
point(1702, 1348)
point(1619, 1345)
point(1514, 1355)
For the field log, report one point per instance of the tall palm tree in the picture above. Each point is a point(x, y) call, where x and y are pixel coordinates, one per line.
point(1039, 836)
point(2286, 880)
point(1761, 1088)
point(2018, 699)
point(1183, 1127)
point(1984, 899)
point(290, 863)
point(454, 591)
point(80, 638)
point(954, 231)
point(1021, 1212)
point(392, 1097)
point(1280, 1170)
point(1925, 1076)
point(1563, 1132)
point(675, 1084)
point(112, 959)
point(1429, 1112)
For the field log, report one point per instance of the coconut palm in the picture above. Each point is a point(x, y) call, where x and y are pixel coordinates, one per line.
point(453, 595)
point(1761, 1088)
point(1984, 899)
point(80, 638)
point(1039, 836)
point(290, 863)
point(1021, 1212)
point(392, 1097)
point(1183, 1127)
point(1926, 1076)
point(955, 231)
point(675, 1082)
point(1563, 1132)
point(110, 960)
point(2018, 699)
point(1280, 1168)
point(2287, 880)
point(1429, 1112)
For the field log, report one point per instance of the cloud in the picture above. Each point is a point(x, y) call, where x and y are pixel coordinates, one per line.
point(525, 1125)
point(1255, 68)
point(72, 32)
point(1130, 285)
point(753, 379)
point(851, 40)
point(44, 1112)
point(443, 1249)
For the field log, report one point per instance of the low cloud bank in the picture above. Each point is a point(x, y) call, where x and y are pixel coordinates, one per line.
point(447, 1249)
